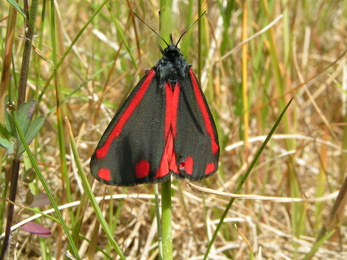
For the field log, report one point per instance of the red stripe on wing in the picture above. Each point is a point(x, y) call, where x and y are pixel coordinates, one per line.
point(168, 160)
point(204, 112)
point(102, 151)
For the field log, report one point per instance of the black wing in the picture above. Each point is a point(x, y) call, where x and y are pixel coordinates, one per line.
point(131, 149)
point(196, 143)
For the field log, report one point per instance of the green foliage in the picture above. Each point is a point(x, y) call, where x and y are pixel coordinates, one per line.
point(17, 7)
point(28, 127)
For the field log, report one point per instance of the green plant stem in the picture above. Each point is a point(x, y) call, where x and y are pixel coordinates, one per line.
point(26, 54)
point(165, 24)
point(157, 213)
point(166, 219)
point(10, 209)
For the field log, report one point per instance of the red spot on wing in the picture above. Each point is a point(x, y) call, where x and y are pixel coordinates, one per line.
point(105, 174)
point(142, 169)
point(102, 151)
point(204, 112)
point(187, 165)
point(210, 168)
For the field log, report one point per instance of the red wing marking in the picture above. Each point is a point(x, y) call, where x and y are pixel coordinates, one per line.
point(103, 151)
point(105, 174)
point(210, 168)
point(167, 157)
point(168, 160)
point(204, 111)
point(187, 165)
point(171, 109)
point(142, 168)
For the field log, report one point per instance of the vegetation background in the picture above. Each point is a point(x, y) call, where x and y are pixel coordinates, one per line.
point(251, 57)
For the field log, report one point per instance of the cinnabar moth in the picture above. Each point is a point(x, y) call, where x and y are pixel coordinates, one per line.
point(164, 127)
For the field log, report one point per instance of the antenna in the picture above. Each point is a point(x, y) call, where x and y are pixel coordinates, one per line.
point(151, 29)
point(190, 26)
point(184, 32)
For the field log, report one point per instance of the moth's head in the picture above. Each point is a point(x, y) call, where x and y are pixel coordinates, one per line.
point(171, 52)
point(171, 49)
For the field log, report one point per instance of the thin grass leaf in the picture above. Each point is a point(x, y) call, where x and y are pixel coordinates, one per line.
point(17, 7)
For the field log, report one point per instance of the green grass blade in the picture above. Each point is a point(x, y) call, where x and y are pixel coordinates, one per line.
point(88, 190)
point(46, 188)
point(245, 176)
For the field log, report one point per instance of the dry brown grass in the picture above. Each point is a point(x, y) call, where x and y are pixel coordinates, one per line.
point(299, 56)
